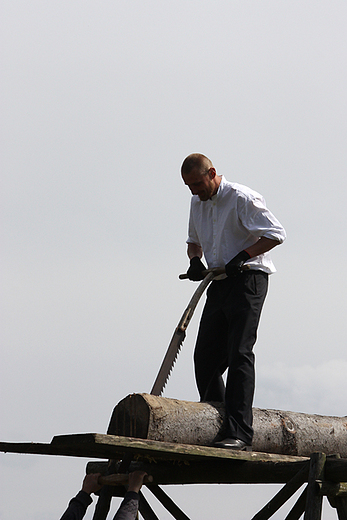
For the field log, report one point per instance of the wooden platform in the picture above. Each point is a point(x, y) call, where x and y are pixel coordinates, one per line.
point(188, 463)
point(171, 463)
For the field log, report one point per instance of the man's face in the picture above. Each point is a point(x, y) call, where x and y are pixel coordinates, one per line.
point(201, 184)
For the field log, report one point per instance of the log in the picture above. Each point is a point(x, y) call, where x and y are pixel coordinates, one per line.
point(283, 432)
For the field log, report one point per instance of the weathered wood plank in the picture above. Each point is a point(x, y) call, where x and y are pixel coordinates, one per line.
point(119, 446)
point(171, 463)
point(115, 447)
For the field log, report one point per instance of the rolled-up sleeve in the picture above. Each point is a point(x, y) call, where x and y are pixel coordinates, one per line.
point(259, 220)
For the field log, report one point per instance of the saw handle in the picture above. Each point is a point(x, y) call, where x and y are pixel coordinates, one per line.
point(215, 270)
point(120, 479)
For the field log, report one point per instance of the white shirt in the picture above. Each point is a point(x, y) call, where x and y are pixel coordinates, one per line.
point(232, 220)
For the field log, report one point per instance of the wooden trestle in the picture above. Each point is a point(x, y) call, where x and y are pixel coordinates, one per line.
point(171, 463)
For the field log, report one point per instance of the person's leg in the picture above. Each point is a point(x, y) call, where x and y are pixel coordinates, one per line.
point(243, 309)
point(210, 355)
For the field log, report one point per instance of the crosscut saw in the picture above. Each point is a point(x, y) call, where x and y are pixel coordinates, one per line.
point(180, 331)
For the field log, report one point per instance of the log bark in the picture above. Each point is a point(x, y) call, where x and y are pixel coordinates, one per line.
point(170, 420)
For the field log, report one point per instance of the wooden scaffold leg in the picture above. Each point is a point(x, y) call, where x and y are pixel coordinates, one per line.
point(313, 509)
point(336, 492)
point(105, 496)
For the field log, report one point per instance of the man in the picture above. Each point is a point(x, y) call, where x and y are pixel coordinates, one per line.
point(230, 225)
point(128, 509)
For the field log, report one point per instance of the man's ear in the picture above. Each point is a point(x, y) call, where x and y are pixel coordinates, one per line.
point(212, 173)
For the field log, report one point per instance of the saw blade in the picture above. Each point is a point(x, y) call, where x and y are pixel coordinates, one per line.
point(168, 361)
point(178, 338)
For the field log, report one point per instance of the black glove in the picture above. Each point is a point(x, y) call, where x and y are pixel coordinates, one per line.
point(234, 267)
point(195, 270)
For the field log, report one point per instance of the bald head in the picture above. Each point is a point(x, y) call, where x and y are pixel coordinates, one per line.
point(196, 162)
point(200, 176)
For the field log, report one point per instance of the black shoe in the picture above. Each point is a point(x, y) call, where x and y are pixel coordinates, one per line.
point(233, 444)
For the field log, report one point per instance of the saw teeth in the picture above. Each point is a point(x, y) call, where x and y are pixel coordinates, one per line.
point(178, 338)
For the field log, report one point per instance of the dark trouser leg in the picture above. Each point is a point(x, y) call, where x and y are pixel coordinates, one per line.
point(210, 356)
point(227, 334)
point(243, 308)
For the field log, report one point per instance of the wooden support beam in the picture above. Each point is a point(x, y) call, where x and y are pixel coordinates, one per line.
point(284, 494)
point(340, 504)
point(105, 494)
point(298, 508)
point(332, 489)
point(313, 510)
point(145, 509)
point(335, 470)
point(103, 504)
point(167, 502)
point(212, 472)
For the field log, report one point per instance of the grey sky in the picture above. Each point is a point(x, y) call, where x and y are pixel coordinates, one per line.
point(101, 102)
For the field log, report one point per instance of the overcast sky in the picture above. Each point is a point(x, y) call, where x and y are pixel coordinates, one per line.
point(101, 102)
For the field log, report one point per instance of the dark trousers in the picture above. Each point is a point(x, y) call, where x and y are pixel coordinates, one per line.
point(227, 334)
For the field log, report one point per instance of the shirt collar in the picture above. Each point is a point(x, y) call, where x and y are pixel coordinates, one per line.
point(220, 187)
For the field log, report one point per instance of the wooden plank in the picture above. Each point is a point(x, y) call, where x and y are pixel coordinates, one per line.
point(115, 447)
point(118, 446)
point(207, 465)
point(224, 466)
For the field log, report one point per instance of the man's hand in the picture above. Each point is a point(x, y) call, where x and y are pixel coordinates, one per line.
point(90, 483)
point(195, 270)
point(234, 267)
point(136, 480)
